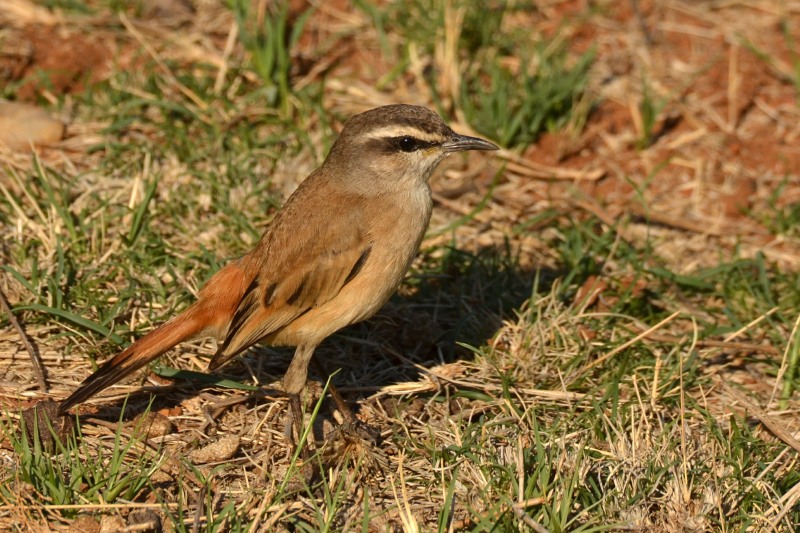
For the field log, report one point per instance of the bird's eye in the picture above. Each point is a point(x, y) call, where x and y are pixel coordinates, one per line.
point(408, 144)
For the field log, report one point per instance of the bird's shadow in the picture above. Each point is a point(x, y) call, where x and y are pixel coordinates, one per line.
point(454, 300)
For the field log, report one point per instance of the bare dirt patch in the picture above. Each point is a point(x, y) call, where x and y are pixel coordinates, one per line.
point(55, 62)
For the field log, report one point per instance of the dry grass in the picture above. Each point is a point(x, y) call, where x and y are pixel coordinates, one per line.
point(600, 332)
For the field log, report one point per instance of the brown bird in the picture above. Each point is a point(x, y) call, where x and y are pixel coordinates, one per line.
point(332, 256)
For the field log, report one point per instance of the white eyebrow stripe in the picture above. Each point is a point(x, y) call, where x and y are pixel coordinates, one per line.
point(399, 131)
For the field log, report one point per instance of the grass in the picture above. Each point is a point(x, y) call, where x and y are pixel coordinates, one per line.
point(65, 474)
point(649, 109)
point(512, 106)
point(515, 108)
point(270, 39)
point(565, 355)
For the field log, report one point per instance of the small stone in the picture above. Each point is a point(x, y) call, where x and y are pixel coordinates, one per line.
point(145, 520)
point(22, 125)
point(42, 420)
point(84, 524)
point(153, 425)
point(159, 476)
point(172, 13)
point(112, 524)
point(221, 450)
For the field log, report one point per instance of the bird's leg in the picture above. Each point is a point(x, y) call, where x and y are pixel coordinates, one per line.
point(351, 424)
point(293, 383)
point(295, 425)
point(341, 405)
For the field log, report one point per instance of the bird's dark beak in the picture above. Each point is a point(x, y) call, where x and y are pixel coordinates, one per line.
point(461, 143)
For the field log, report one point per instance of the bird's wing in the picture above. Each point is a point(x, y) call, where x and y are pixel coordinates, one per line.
point(299, 268)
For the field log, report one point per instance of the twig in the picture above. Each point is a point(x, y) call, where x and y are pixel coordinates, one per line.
point(519, 511)
point(233, 33)
point(198, 512)
point(773, 425)
point(642, 335)
point(36, 362)
point(593, 207)
point(417, 386)
point(517, 508)
point(532, 169)
point(92, 506)
point(279, 512)
point(637, 13)
point(653, 216)
point(789, 500)
point(712, 343)
point(190, 94)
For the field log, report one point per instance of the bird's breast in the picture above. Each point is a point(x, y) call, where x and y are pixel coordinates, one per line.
point(399, 225)
point(395, 225)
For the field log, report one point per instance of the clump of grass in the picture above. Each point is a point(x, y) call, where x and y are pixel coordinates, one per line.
point(782, 220)
point(270, 37)
point(70, 473)
point(650, 108)
point(514, 108)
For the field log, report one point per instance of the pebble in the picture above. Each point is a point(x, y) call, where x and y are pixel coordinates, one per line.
point(153, 425)
point(144, 520)
point(221, 450)
point(112, 524)
point(84, 524)
point(23, 124)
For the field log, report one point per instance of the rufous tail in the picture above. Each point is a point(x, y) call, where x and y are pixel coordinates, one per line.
point(138, 354)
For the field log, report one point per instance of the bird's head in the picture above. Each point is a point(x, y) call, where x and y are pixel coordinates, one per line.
point(397, 144)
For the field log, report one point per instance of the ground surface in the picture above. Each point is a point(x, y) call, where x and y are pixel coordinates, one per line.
point(600, 330)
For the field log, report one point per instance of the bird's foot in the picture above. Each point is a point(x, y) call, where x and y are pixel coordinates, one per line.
point(355, 429)
point(355, 442)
